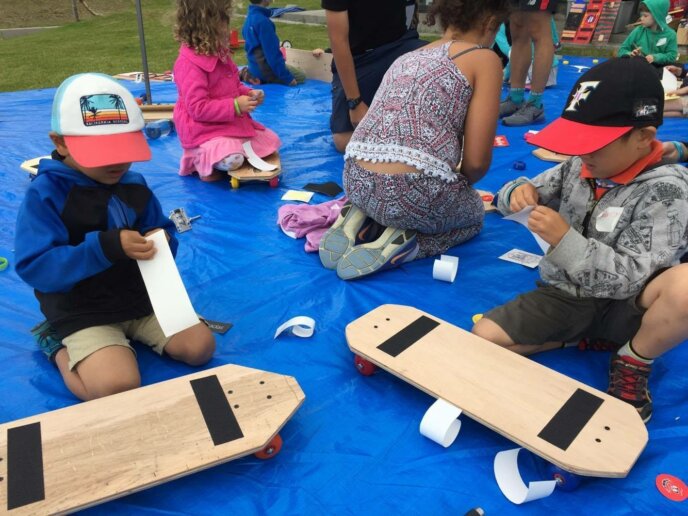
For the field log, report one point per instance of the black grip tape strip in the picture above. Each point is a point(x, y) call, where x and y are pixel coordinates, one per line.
point(25, 482)
point(407, 337)
point(571, 418)
point(217, 412)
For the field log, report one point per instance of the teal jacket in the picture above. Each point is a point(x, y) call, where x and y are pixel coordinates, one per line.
point(660, 43)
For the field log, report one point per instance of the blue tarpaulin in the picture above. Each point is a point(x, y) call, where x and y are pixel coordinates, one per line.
point(354, 446)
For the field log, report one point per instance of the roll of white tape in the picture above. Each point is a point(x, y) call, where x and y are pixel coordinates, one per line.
point(445, 268)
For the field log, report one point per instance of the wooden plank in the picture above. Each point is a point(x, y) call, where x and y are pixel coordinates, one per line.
point(504, 391)
point(99, 450)
point(319, 68)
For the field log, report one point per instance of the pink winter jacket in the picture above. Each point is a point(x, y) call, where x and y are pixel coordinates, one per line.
point(207, 88)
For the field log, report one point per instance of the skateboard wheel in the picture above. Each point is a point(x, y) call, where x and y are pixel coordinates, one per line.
point(476, 318)
point(363, 366)
point(566, 481)
point(274, 182)
point(234, 182)
point(272, 449)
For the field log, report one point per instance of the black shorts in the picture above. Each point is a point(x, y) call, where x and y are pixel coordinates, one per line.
point(548, 314)
point(370, 69)
point(536, 5)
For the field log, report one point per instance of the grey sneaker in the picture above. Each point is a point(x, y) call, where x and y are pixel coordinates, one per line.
point(508, 107)
point(527, 114)
point(391, 249)
point(341, 236)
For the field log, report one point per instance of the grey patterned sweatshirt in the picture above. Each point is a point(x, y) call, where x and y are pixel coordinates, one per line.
point(651, 232)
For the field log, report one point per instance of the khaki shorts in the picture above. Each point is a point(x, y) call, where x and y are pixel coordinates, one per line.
point(547, 314)
point(84, 343)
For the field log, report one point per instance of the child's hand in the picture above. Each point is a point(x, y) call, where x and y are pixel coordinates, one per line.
point(676, 70)
point(136, 246)
point(247, 104)
point(637, 51)
point(522, 196)
point(317, 52)
point(548, 224)
point(257, 95)
point(650, 59)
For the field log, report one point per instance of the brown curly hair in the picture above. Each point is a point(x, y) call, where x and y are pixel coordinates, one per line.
point(464, 14)
point(197, 24)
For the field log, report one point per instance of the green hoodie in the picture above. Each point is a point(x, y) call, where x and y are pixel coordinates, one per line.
point(660, 43)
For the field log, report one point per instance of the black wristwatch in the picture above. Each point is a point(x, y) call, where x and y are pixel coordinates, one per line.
point(353, 103)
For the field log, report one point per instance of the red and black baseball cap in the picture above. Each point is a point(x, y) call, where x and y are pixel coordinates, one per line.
point(607, 101)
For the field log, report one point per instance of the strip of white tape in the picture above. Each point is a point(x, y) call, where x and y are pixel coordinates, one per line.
point(510, 481)
point(300, 326)
point(440, 423)
point(255, 160)
point(445, 268)
point(166, 291)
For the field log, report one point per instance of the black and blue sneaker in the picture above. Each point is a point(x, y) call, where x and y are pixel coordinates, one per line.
point(342, 235)
point(391, 249)
point(47, 340)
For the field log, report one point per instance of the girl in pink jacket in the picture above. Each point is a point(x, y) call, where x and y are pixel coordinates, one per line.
point(212, 113)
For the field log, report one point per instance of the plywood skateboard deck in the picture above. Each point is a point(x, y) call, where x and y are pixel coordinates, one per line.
point(138, 76)
point(548, 155)
point(96, 451)
point(568, 423)
point(319, 68)
point(152, 112)
point(31, 165)
point(487, 198)
point(248, 172)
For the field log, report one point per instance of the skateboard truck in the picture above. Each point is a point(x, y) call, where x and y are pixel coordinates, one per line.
point(181, 220)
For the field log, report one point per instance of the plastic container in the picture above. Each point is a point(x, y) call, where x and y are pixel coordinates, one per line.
point(158, 128)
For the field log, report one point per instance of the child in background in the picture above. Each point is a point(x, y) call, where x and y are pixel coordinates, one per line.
point(265, 60)
point(616, 219)
point(212, 113)
point(677, 107)
point(80, 230)
point(436, 107)
point(653, 39)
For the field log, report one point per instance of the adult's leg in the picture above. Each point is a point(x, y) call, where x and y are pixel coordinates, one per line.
point(521, 48)
point(540, 32)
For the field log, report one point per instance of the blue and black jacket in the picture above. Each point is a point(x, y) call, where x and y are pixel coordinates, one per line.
point(68, 248)
point(260, 35)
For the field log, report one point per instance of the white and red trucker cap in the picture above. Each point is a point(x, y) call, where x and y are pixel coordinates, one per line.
point(100, 121)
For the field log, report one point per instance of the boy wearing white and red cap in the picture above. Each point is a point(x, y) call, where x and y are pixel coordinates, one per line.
point(616, 219)
point(80, 230)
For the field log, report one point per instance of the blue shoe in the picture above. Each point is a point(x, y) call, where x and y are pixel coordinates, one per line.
point(391, 249)
point(47, 340)
point(342, 235)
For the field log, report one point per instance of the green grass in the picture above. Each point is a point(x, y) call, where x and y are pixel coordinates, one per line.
point(110, 44)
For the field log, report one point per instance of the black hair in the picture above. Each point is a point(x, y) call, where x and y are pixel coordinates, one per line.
point(465, 14)
point(255, 1)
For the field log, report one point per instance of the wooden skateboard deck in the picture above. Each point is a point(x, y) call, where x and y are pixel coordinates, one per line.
point(547, 155)
point(138, 76)
point(319, 68)
point(487, 198)
point(96, 451)
point(568, 423)
point(152, 112)
point(31, 165)
point(248, 172)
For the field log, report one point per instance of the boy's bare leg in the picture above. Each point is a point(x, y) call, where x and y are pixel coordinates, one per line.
point(665, 324)
point(491, 331)
point(193, 346)
point(107, 371)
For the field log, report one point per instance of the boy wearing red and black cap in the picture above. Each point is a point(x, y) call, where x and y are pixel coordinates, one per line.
point(616, 219)
point(80, 230)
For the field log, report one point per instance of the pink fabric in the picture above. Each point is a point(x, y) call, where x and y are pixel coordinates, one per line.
point(207, 87)
point(202, 158)
point(309, 220)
